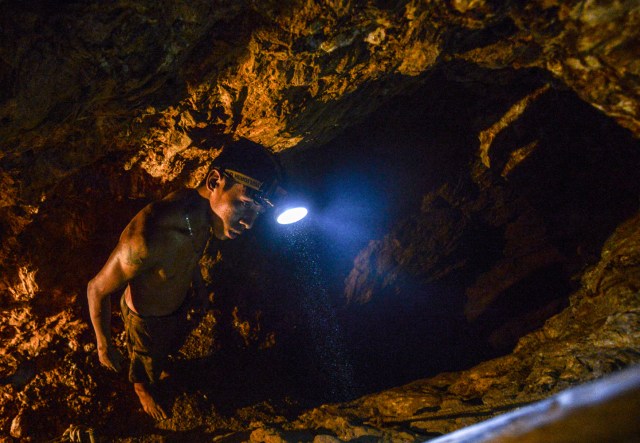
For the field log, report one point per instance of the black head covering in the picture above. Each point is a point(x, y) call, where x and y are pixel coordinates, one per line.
point(254, 161)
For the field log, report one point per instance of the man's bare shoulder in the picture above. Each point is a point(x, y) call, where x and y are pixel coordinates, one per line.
point(167, 213)
point(159, 222)
point(181, 197)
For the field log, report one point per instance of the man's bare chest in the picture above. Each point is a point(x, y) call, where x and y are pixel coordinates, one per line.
point(175, 267)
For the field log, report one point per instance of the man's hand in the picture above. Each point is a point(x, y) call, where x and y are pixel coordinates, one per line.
point(110, 358)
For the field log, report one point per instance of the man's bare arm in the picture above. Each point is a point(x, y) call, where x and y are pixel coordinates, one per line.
point(130, 258)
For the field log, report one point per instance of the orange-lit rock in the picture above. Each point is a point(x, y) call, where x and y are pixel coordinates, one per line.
point(503, 140)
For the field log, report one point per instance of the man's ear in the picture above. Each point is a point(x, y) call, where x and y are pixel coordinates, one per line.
point(214, 179)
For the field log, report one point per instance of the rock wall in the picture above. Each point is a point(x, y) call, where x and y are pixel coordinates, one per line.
point(161, 80)
point(498, 140)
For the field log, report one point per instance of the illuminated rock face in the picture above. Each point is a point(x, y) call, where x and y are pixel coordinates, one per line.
point(159, 80)
point(477, 168)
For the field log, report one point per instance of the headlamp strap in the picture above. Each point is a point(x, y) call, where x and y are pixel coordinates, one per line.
point(244, 179)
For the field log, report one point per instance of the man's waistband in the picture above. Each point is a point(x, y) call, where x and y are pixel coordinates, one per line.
point(128, 311)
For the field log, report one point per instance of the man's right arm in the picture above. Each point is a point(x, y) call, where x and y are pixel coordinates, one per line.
point(130, 258)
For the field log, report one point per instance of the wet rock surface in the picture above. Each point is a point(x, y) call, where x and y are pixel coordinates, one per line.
point(475, 173)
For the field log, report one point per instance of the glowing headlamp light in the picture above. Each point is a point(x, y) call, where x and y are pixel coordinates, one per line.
point(287, 209)
point(292, 215)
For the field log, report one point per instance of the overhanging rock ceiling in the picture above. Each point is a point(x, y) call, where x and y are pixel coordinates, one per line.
point(159, 79)
point(501, 136)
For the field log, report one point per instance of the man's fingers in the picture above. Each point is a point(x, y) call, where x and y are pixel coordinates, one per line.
point(115, 360)
point(112, 364)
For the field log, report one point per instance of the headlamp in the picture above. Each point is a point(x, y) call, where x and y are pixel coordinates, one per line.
point(292, 215)
point(287, 209)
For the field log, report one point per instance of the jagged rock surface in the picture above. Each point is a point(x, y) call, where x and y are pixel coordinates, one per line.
point(106, 106)
point(159, 80)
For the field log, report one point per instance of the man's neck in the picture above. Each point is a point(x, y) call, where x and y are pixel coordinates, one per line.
point(204, 204)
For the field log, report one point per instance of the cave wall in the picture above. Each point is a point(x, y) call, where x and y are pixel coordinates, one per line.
point(161, 80)
point(468, 161)
point(464, 260)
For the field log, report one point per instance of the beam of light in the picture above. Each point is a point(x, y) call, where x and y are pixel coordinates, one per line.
point(309, 280)
point(292, 215)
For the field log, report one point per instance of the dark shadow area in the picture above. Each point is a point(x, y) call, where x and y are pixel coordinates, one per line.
point(544, 287)
point(583, 177)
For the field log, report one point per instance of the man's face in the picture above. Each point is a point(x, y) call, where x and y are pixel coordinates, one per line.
point(235, 210)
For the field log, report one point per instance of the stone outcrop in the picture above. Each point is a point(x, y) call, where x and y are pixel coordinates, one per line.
point(161, 80)
point(502, 138)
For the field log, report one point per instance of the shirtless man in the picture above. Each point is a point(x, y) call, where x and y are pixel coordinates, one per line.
point(156, 261)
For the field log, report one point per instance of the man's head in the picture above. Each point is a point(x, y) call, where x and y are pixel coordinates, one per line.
point(240, 184)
